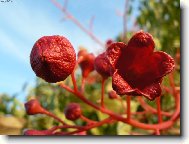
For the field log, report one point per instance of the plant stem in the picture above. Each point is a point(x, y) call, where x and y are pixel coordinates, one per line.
point(158, 103)
point(128, 100)
point(87, 120)
point(163, 125)
point(82, 84)
point(74, 81)
point(55, 117)
point(102, 92)
point(105, 121)
point(151, 109)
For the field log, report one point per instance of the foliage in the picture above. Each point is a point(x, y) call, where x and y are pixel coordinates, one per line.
point(161, 18)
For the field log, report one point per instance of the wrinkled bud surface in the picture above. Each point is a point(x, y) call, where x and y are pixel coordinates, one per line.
point(112, 94)
point(33, 107)
point(73, 111)
point(138, 70)
point(102, 65)
point(87, 62)
point(53, 58)
point(37, 132)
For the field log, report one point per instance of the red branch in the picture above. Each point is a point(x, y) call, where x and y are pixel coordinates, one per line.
point(77, 23)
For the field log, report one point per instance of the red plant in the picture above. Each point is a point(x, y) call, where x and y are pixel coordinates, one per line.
point(135, 70)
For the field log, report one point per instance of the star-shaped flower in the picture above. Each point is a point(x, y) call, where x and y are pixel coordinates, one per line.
point(137, 69)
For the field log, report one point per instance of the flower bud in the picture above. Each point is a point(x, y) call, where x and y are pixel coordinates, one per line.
point(102, 65)
point(112, 94)
point(33, 107)
point(109, 42)
point(53, 58)
point(86, 63)
point(73, 111)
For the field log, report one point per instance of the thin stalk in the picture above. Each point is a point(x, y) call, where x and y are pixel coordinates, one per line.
point(102, 92)
point(128, 112)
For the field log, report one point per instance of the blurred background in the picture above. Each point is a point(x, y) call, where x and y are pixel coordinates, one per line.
point(23, 22)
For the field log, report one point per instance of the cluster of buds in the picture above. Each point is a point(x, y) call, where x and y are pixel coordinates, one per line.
point(135, 68)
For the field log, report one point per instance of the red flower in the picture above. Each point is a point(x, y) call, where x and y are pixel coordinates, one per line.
point(86, 62)
point(53, 58)
point(102, 65)
point(137, 69)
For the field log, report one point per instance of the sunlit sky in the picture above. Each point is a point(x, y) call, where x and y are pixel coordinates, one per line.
point(22, 22)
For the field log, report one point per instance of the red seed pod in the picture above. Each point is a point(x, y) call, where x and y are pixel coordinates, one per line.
point(112, 94)
point(37, 132)
point(33, 107)
point(72, 111)
point(53, 58)
point(102, 65)
point(86, 63)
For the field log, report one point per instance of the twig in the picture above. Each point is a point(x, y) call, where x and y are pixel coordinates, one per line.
point(76, 22)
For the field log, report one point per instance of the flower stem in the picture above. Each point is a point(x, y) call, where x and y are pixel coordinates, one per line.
point(74, 81)
point(55, 117)
point(105, 121)
point(82, 84)
point(128, 100)
point(158, 103)
point(87, 120)
point(148, 108)
point(102, 92)
point(132, 122)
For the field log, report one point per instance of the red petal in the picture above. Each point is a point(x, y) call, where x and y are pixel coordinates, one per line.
point(113, 52)
point(142, 72)
point(164, 63)
point(142, 41)
point(120, 85)
point(152, 91)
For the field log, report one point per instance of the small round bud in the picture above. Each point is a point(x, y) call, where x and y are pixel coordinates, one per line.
point(33, 107)
point(73, 111)
point(112, 94)
point(109, 42)
point(53, 58)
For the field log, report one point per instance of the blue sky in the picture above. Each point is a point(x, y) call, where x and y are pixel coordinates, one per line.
point(22, 22)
